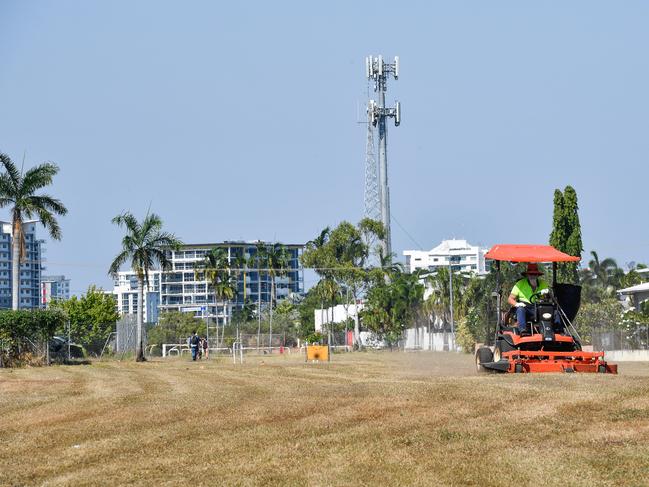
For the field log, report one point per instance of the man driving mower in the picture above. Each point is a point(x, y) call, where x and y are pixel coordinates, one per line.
point(525, 293)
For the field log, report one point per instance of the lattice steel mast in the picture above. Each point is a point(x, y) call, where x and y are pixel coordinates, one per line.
point(372, 191)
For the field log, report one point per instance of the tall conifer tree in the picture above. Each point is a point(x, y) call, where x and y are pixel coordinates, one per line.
point(574, 244)
point(558, 236)
point(566, 232)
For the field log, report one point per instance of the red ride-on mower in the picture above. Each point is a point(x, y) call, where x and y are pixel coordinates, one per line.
point(553, 344)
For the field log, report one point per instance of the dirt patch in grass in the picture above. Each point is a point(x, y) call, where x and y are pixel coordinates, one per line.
point(363, 419)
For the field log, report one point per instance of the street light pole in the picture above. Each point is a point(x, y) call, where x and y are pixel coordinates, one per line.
point(450, 290)
point(207, 326)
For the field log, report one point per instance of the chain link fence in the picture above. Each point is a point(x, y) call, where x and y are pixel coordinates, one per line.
point(631, 338)
point(126, 336)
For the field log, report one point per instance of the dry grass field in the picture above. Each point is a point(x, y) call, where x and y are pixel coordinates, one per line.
point(365, 419)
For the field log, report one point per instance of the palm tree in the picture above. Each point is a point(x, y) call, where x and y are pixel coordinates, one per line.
point(215, 269)
point(18, 191)
point(257, 260)
point(601, 277)
point(320, 240)
point(314, 246)
point(409, 299)
point(328, 290)
point(145, 245)
point(239, 265)
point(439, 302)
point(276, 258)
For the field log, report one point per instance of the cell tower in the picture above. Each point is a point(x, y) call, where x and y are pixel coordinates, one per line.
point(379, 71)
point(372, 190)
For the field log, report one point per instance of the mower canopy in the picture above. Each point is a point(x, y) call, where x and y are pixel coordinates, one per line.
point(528, 253)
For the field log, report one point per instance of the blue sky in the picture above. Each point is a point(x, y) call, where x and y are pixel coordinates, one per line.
point(238, 120)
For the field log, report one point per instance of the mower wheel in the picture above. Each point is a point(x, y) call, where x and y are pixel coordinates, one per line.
point(601, 369)
point(500, 347)
point(518, 368)
point(482, 355)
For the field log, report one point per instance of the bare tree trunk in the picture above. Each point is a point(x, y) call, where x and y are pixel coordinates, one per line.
point(15, 266)
point(139, 352)
point(226, 314)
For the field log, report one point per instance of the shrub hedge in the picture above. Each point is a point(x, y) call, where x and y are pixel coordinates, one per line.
point(19, 329)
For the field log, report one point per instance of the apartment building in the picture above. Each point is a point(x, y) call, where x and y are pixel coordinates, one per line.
point(127, 298)
point(54, 288)
point(30, 269)
point(178, 288)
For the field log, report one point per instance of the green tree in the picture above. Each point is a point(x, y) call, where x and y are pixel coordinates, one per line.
point(92, 318)
point(393, 304)
point(566, 232)
point(317, 255)
point(243, 316)
point(145, 245)
point(175, 327)
point(439, 301)
point(340, 257)
point(20, 329)
point(306, 312)
point(632, 276)
point(409, 295)
point(600, 279)
point(18, 191)
point(605, 315)
point(287, 321)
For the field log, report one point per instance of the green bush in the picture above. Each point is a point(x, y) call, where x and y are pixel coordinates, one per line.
point(315, 338)
point(91, 317)
point(19, 330)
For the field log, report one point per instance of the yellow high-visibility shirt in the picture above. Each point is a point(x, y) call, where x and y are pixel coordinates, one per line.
point(523, 291)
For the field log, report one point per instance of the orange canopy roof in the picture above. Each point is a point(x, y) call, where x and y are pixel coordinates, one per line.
point(528, 253)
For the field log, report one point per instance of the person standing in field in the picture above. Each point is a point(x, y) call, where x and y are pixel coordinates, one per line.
point(206, 348)
point(194, 343)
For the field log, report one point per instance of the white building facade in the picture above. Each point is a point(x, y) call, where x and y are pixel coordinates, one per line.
point(335, 314)
point(126, 295)
point(54, 288)
point(460, 255)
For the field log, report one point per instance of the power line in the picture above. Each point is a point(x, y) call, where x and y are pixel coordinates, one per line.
point(406, 232)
